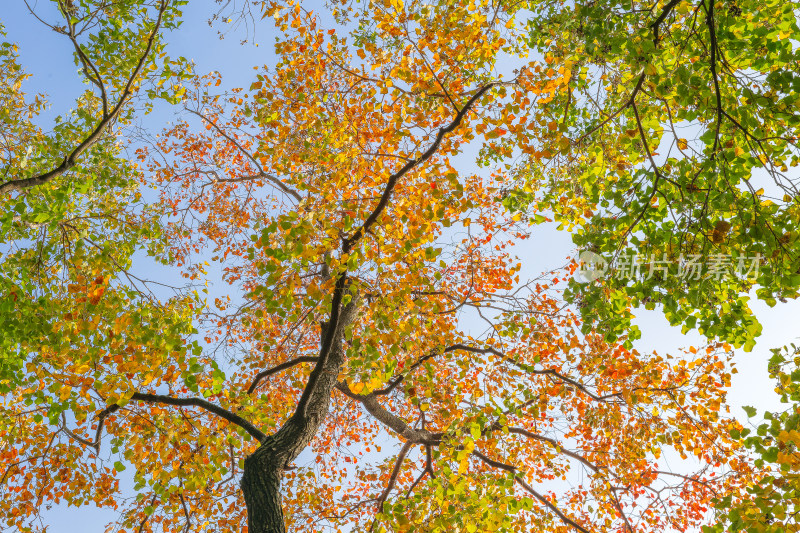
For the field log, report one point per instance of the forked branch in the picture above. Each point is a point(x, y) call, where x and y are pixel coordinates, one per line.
point(71, 160)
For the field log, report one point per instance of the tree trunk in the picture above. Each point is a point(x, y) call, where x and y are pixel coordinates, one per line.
point(261, 485)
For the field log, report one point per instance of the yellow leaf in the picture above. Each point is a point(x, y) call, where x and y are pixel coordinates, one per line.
point(64, 392)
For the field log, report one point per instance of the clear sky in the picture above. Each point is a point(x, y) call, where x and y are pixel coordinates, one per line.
point(48, 58)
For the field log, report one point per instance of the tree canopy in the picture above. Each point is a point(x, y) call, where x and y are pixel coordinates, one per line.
point(348, 337)
point(70, 209)
point(674, 142)
point(770, 504)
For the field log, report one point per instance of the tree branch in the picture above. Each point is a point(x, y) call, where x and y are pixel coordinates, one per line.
point(349, 242)
point(551, 372)
point(261, 174)
point(427, 470)
point(710, 22)
point(389, 419)
point(664, 14)
point(564, 518)
point(78, 438)
point(203, 404)
point(147, 517)
point(328, 340)
point(393, 476)
point(522, 483)
point(72, 159)
point(100, 421)
point(655, 26)
point(553, 442)
point(93, 76)
point(275, 369)
point(394, 382)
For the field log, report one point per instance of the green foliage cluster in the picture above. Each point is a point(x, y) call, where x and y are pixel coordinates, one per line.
point(772, 504)
point(70, 200)
point(676, 138)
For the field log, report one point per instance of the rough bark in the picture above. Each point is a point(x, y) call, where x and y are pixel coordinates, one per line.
point(261, 485)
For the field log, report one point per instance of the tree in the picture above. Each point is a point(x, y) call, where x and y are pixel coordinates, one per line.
point(70, 209)
point(329, 200)
point(673, 142)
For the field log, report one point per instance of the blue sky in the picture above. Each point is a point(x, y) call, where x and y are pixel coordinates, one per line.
point(48, 58)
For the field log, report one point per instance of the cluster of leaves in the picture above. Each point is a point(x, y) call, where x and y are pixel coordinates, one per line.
point(772, 503)
point(673, 140)
point(69, 199)
point(14, 318)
